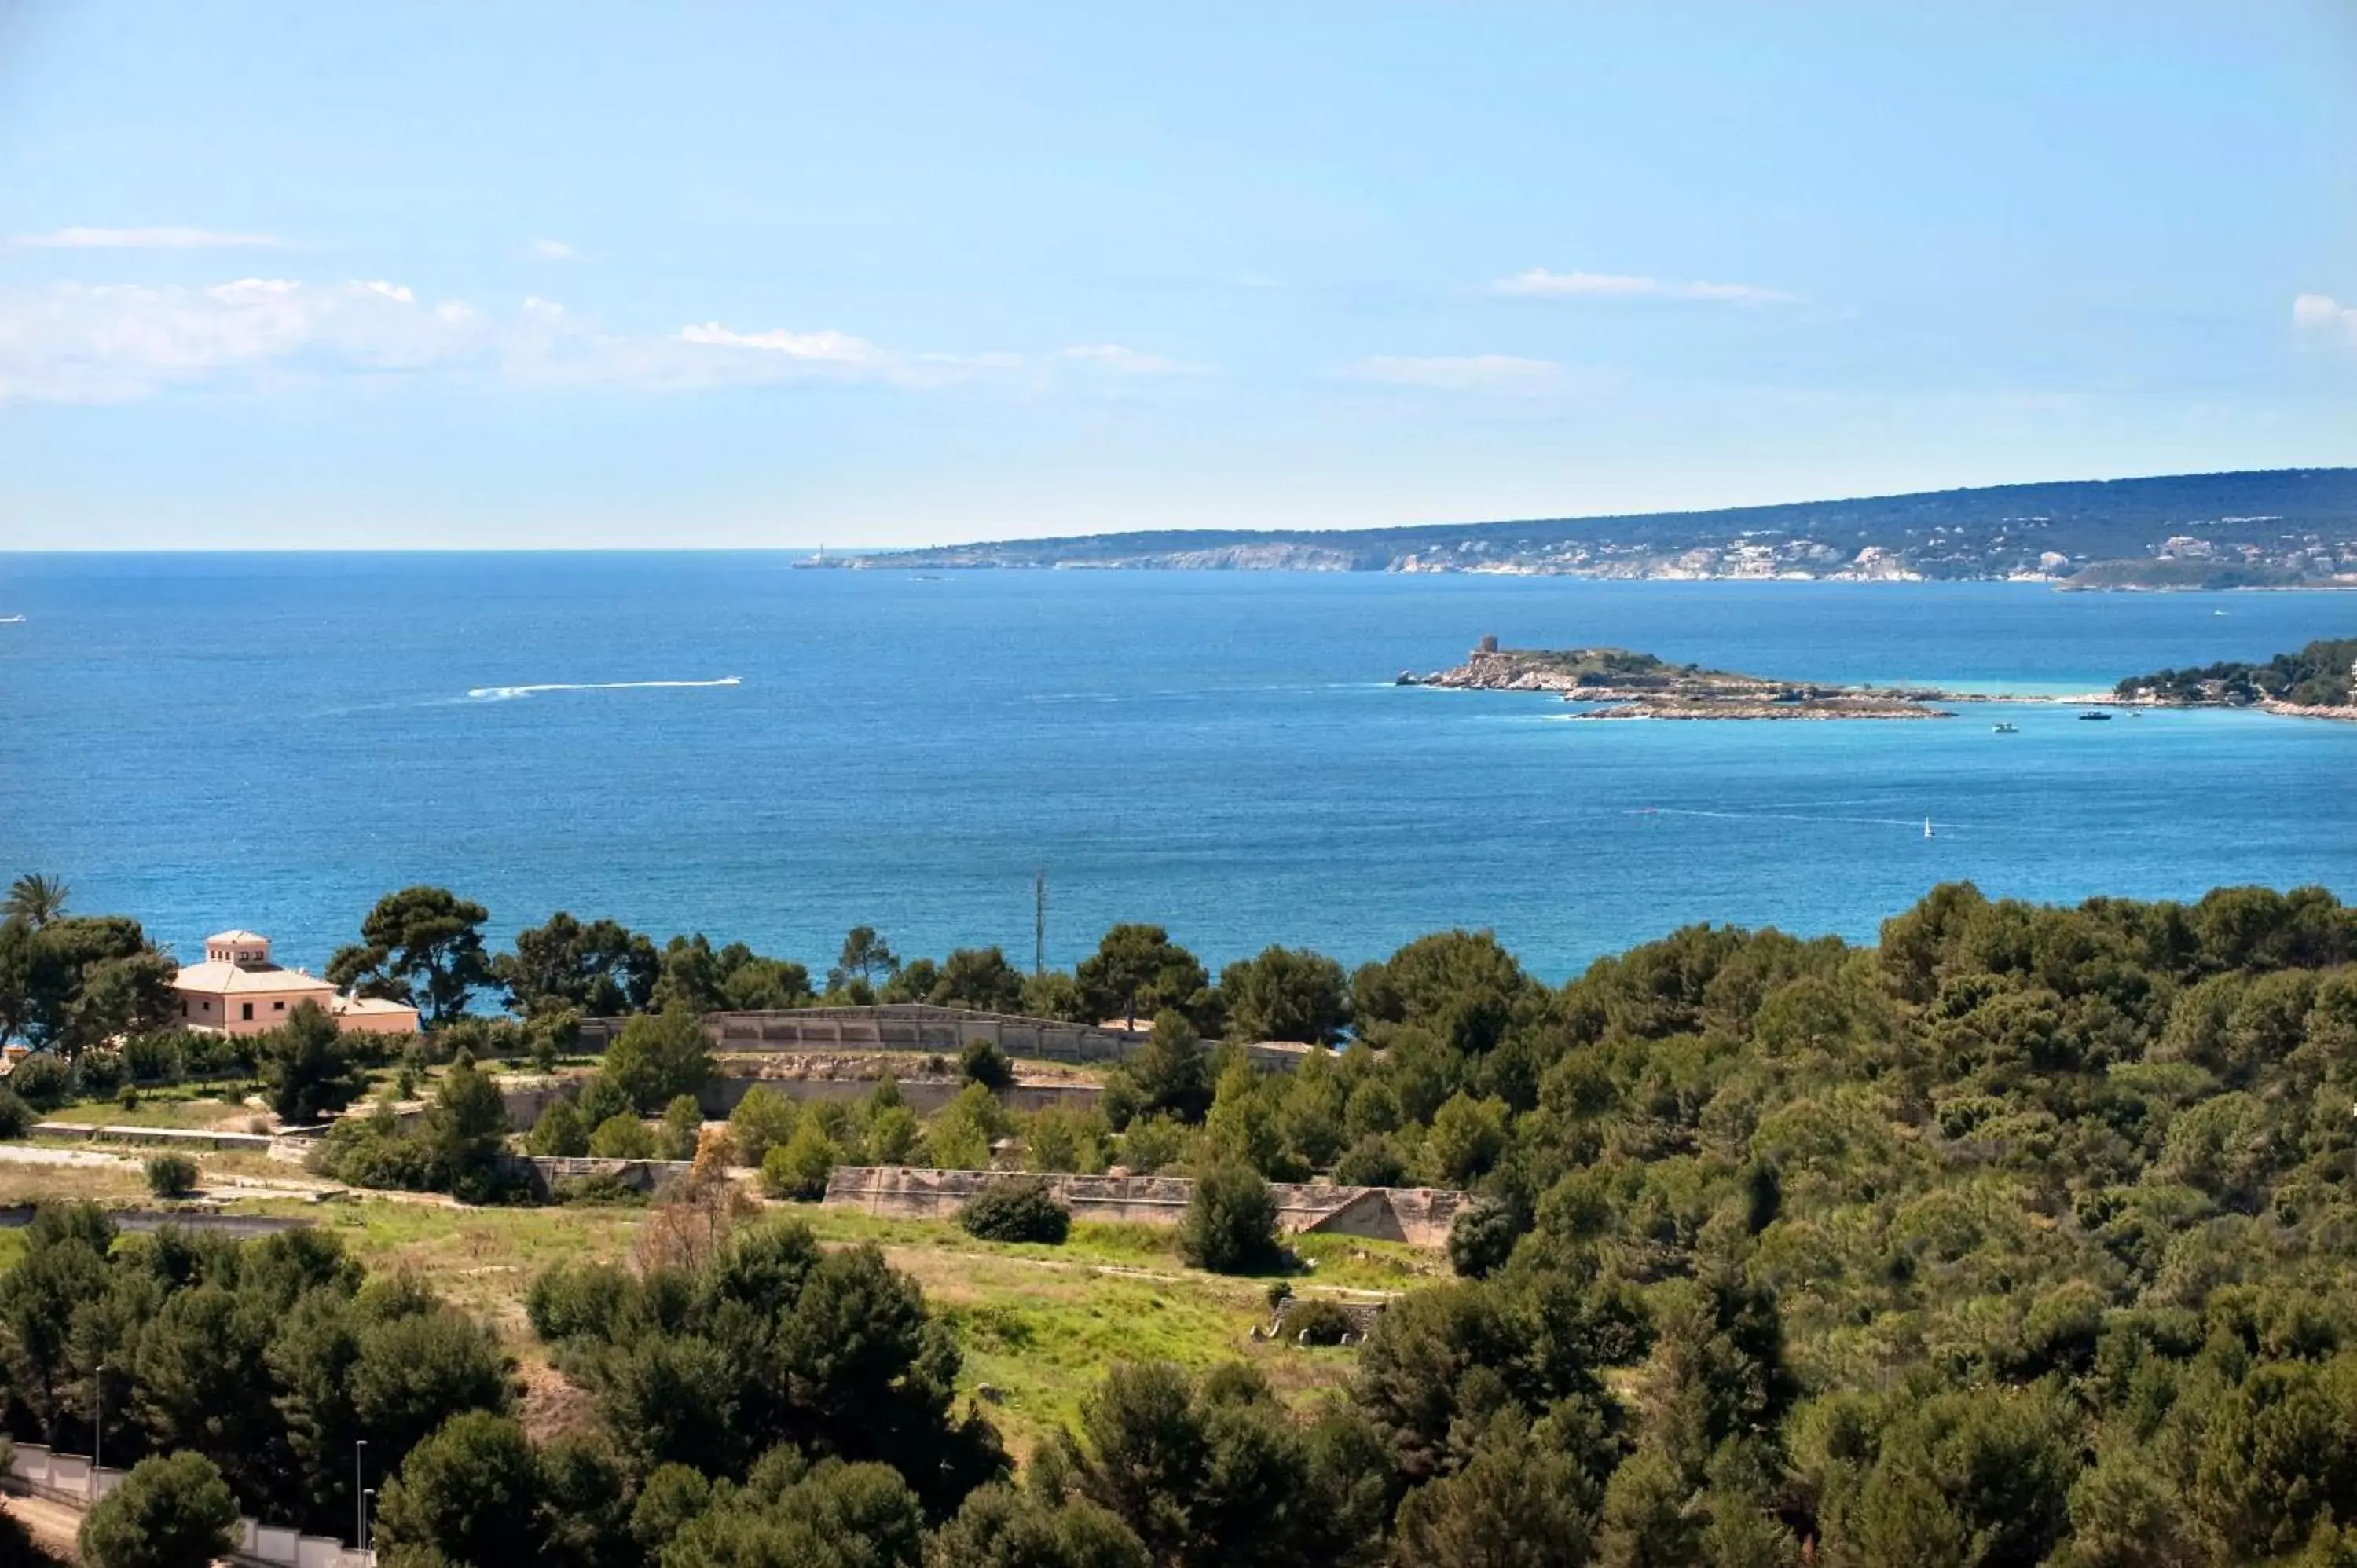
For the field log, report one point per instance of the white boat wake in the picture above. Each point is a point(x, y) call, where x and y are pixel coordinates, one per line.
point(508, 694)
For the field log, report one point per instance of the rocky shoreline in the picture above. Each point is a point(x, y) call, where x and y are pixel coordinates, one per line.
point(2290, 710)
point(1625, 685)
point(1831, 709)
point(1615, 684)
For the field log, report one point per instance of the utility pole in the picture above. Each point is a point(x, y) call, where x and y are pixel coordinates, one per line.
point(98, 1430)
point(1040, 922)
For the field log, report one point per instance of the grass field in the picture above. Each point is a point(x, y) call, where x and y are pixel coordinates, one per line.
point(1039, 1324)
point(161, 1108)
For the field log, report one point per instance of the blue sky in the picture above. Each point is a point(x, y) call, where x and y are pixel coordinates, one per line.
point(588, 274)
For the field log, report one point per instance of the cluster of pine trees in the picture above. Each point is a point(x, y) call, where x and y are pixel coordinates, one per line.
point(2024, 1236)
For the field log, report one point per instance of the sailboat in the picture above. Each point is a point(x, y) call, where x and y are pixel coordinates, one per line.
point(1926, 827)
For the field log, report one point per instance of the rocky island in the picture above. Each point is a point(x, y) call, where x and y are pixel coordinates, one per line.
point(1622, 684)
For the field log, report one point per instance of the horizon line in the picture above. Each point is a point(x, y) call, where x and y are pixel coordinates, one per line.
point(813, 549)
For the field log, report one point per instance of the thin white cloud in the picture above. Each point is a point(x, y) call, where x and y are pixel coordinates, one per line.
point(160, 238)
point(1537, 283)
point(115, 343)
point(119, 343)
point(2322, 316)
point(552, 251)
point(1114, 359)
point(829, 348)
point(1468, 373)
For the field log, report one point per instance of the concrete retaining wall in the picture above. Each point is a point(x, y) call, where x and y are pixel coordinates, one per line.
point(719, 1096)
point(924, 1096)
point(1417, 1215)
point(241, 1227)
point(920, 1026)
point(901, 1026)
point(160, 1137)
point(70, 1479)
point(543, 1172)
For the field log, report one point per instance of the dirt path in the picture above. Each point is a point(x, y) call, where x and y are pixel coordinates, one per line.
point(294, 1184)
point(56, 1528)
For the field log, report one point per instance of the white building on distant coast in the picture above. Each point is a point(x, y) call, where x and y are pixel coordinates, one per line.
point(238, 991)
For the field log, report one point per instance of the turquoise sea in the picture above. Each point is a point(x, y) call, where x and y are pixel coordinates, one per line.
point(273, 740)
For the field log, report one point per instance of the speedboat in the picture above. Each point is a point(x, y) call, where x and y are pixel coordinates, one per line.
point(2095, 715)
point(2005, 727)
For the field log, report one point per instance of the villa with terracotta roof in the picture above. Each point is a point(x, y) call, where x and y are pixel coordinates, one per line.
point(239, 990)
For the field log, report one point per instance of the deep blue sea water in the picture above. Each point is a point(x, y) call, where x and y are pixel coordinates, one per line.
point(273, 740)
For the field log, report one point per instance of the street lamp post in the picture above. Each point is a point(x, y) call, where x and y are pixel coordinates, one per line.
point(360, 1495)
point(367, 1498)
point(97, 1428)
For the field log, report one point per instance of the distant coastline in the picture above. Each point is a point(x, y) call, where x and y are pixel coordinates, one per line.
point(2261, 531)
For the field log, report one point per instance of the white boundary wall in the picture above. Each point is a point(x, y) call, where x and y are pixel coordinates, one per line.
point(69, 1478)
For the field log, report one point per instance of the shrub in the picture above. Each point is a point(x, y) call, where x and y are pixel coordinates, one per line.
point(1230, 1223)
point(572, 1299)
point(602, 1097)
point(1154, 1143)
point(603, 1190)
point(622, 1136)
point(484, 1038)
point(465, 1129)
point(173, 1513)
point(890, 1135)
point(561, 1131)
point(15, 1116)
point(1373, 1161)
point(960, 1135)
point(43, 1082)
point(1017, 1209)
point(798, 1168)
point(1480, 1237)
point(373, 1151)
point(1317, 1321)
point(681, 1130)
point(657, 1057)
point(171, 1175)
point(763, 1120)
point(1061, 1140)
point(984, 1063)
point(308, 1066)
point(215, 1055)
point(99, 1072)
point(554, 1034)
point(154, 1058)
